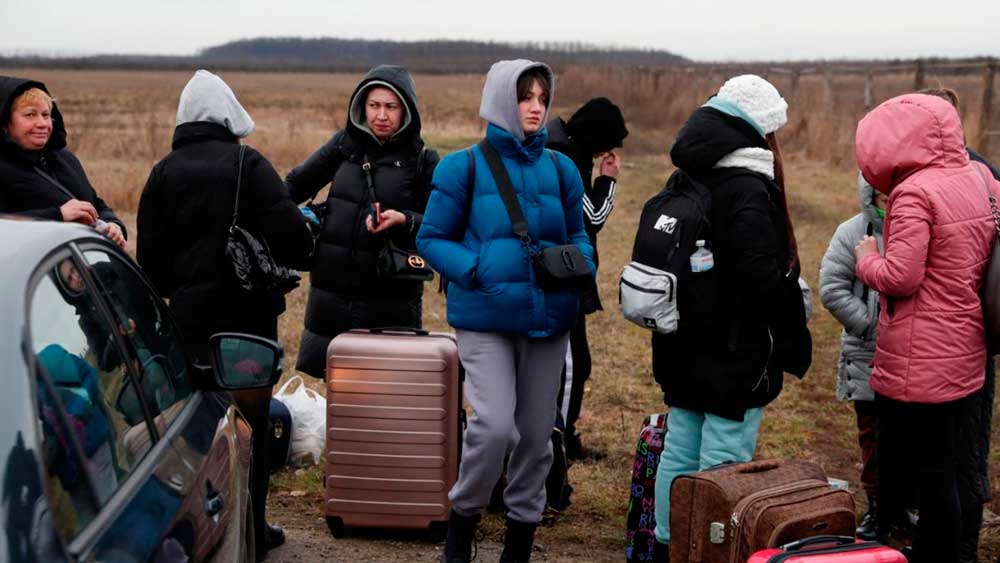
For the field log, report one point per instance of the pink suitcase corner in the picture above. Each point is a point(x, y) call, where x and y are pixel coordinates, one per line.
point(829, 549)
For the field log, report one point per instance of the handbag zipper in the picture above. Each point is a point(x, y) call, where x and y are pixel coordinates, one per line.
point(742, 507)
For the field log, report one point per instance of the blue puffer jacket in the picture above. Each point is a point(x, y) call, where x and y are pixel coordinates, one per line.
point(472, 243)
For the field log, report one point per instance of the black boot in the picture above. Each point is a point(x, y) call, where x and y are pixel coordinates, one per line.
point(869, 527)
point(661, 552)
point(458, 544)
point(518, 542)
point(275, 536)
point(576, 451)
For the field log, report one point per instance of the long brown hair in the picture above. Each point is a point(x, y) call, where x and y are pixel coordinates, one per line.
point(779, 179)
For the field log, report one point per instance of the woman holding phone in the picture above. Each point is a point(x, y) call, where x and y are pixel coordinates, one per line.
point(379, 175)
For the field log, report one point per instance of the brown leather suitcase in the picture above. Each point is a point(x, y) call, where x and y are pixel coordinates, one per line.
point(393, 429)
point(725, 514)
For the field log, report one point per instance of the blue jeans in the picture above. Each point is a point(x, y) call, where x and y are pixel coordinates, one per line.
point(696, 441)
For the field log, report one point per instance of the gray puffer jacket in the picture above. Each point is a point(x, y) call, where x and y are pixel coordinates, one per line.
point(849, 301)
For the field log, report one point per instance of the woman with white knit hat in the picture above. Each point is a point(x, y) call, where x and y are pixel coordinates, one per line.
point(718, 376)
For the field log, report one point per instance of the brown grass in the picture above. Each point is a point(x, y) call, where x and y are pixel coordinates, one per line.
point(120, 123)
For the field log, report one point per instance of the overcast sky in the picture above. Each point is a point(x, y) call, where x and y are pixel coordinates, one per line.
point(701, 30)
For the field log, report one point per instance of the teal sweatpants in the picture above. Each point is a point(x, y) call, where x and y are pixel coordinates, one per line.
point(696, 441)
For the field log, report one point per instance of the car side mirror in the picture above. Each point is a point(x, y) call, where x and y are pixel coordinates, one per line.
point(244, 361)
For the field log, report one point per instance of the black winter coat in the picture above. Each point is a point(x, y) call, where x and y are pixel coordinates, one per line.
point(599, 196)
point(346, 252)
point(23, 190)
point(185, 212)
point(759, 330)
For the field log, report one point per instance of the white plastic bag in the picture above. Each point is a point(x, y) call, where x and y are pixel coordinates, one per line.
point(308, 410)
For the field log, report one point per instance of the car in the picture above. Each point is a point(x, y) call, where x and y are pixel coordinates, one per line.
point(116, 446)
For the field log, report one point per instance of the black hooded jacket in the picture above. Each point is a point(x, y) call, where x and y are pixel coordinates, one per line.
point(599, 198)
point(401, 171)
point(184, 216)
point(23, 191)
point(759, 331)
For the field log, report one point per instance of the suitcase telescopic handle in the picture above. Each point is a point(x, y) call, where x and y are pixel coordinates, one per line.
point(407, 329)
point(825, 541)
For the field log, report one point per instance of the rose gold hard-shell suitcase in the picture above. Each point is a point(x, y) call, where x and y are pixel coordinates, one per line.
point(393, 428)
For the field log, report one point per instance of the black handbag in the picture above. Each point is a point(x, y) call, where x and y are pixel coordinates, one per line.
point(393, 261)
point(556, 267)
point(254, 269)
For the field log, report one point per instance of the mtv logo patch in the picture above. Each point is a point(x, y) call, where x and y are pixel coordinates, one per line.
point(649, 322)
point(666, 224)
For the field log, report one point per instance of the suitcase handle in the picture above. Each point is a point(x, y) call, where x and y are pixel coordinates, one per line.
point(407, 329)
point(759, 467)
point(818, 540)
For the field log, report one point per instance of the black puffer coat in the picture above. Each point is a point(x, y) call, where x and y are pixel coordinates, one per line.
point(346, 291)
point(759, 331)
point(23, 190)
point(184, 216)
point(346, 251)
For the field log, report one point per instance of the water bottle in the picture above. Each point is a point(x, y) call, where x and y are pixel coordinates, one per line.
point(702, 259)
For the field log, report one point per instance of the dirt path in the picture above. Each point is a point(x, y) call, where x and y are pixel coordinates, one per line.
point(308, 540)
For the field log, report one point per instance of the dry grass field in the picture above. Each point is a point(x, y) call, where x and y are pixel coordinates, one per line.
point(120, 124)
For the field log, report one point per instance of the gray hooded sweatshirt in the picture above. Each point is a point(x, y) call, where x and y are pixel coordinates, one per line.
point(847, 299)
point(499, 105)
point(207, 98)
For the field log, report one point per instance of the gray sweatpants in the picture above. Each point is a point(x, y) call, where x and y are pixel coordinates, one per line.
point(511, 382)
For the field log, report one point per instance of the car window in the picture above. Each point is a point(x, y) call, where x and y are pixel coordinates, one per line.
point(143, 320)
point(88, 438)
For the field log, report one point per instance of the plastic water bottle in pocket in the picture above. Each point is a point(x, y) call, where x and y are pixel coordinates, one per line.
point(702, 259)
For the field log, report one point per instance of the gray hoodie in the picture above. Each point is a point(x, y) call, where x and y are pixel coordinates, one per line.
point(206, 98)
point(845, 296)
point(499, 104)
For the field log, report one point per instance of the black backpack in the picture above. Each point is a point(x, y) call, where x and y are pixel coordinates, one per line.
point(671, 223)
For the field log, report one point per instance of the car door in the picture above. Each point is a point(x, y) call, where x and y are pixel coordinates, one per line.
point(128, 440)
point(208, 459)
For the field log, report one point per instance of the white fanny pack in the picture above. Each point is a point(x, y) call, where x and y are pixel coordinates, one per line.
point(648, 297)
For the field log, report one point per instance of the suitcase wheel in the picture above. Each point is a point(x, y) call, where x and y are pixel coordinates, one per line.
point(336, 525)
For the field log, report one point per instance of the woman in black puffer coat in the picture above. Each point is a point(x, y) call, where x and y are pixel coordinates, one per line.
point(40, 177)
point(383, 130)
point(185, 212)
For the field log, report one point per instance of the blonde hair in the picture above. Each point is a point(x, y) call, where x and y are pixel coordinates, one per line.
point(31, 96)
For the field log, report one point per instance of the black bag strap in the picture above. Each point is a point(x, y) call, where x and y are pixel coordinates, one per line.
point(994, 210)
point(507, 194)
point(55, 183)
point(239, 182)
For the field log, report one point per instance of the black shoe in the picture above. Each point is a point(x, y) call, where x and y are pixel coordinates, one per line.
point(576, 451)
point(461, 534)
point(661, 552)
point(275, 536)
point(868, 528)
point(518, 541)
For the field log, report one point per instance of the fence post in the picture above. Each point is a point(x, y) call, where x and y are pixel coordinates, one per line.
point(794, 88)
point(984, 115)
point(828, 84)
point(869, 89)
point(918, 76)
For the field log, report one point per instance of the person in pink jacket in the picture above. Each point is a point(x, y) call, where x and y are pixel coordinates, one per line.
point(931, 350)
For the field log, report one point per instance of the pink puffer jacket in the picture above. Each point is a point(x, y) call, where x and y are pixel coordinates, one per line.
point(938, 235)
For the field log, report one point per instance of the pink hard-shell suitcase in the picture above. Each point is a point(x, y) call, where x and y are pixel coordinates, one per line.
point(394, 417)
point(829, 549)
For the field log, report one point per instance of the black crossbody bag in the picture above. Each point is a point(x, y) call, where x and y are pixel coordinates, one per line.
point(556, 267)
point(392, 261)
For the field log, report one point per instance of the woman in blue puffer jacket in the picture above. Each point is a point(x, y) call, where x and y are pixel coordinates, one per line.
point(512, 334)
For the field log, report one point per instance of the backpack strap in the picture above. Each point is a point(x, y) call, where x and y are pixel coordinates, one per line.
point(239, 182)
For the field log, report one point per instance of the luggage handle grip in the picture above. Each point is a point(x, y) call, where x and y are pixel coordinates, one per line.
point(406, 329)
point(758, 467)
point(818, 540)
